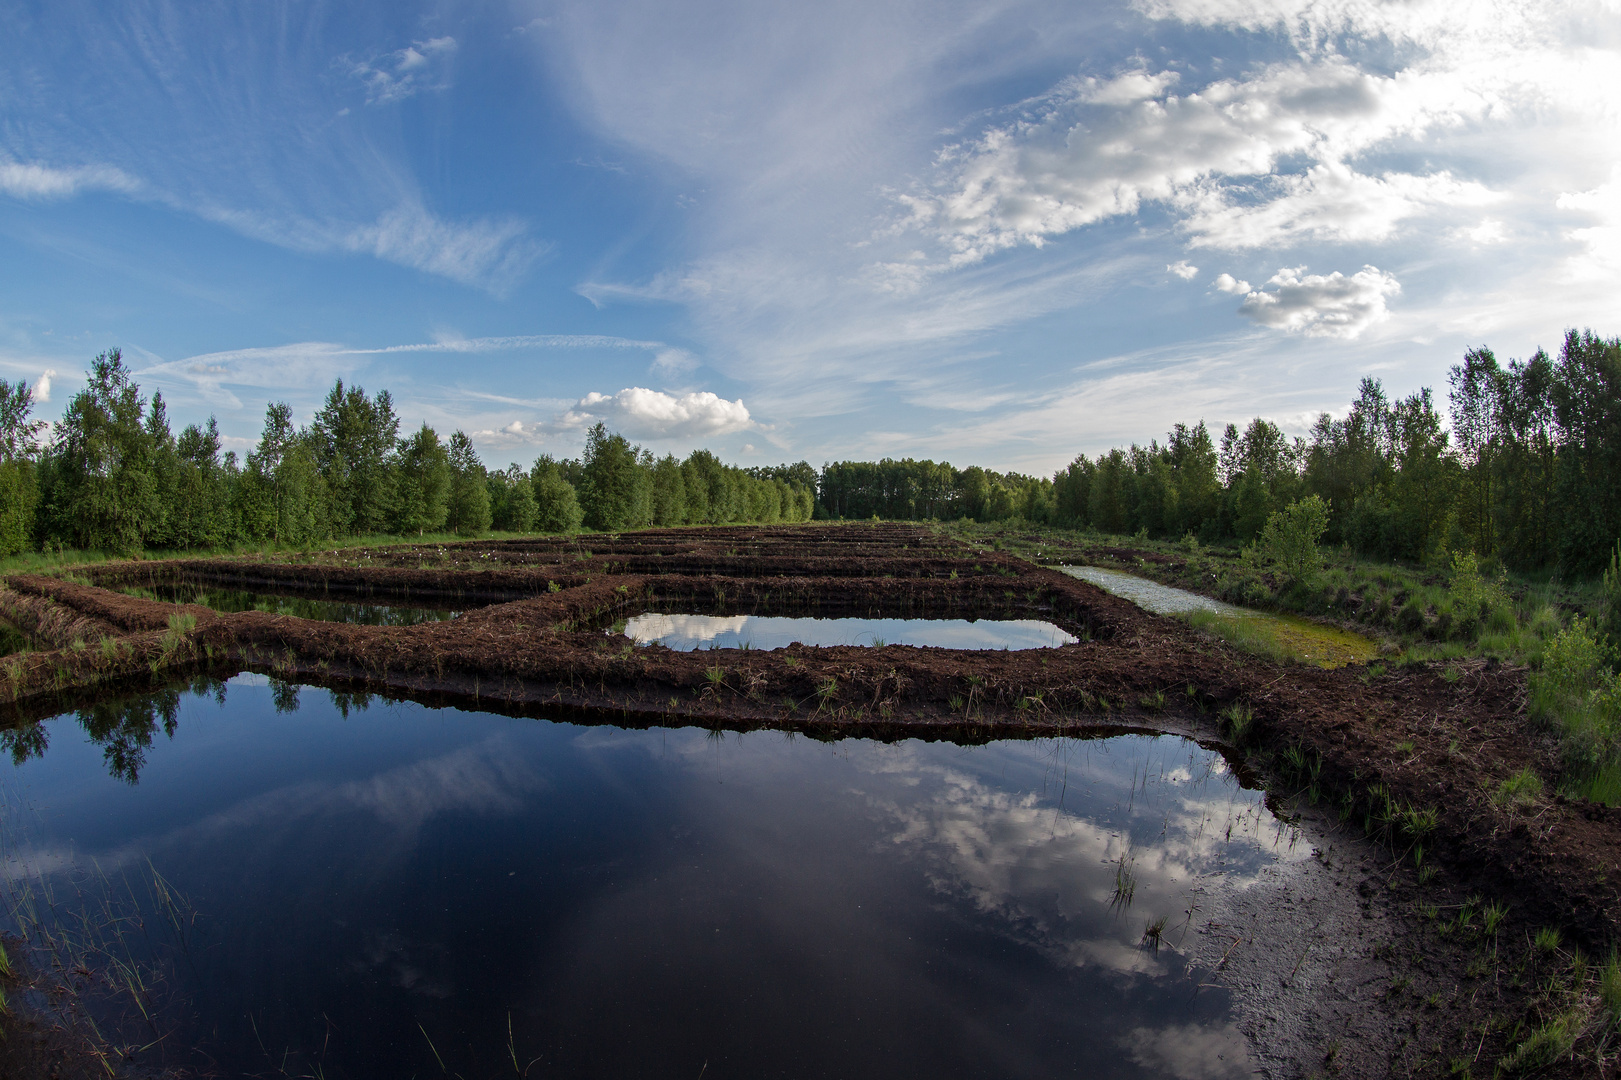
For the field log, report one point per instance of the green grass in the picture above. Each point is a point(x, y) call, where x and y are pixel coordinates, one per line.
point(12, 641)
point(54, 561)
point(1522, 789)
point(1448, 611)
point(1253, 636)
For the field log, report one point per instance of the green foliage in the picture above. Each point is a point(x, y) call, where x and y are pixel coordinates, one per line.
point(512, 501)
point(1290, 537)
point(467, 509)
point(1611, 613)
point(557, 508)
point(1473, 597)
point(1521, 789)
point(1576, 692)
point(354, 442)
point(669, 492)
point(103, 463)
point(19, 502)
point(424, 483)
point(19, 482)
point(617, 493)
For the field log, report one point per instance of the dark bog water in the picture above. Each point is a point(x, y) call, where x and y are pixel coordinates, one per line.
point(662, 903)
point(320, 608)
point(688, 632)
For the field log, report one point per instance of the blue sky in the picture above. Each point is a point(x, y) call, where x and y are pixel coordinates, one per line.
point(993, 232)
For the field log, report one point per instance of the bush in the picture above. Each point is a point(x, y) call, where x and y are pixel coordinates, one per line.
point(1576, 692)
point(1612, 599)
point(1290, 537)
point(1411, 616)
point(1473, 597)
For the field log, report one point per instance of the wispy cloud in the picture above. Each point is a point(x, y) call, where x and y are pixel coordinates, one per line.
point(32, 180)
point(487, 253)
point(835, 279)
point(305, 364)
point(395, 76)
point(300, 371)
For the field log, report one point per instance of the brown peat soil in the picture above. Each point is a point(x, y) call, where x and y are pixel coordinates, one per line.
point(1395, 775)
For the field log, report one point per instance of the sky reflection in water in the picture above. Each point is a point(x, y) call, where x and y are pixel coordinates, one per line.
point(684, 633)
point(646, 902)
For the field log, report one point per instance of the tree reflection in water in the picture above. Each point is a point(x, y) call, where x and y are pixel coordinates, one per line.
point(124, 727)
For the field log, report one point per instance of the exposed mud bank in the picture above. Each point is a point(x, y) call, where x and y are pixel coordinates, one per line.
point(1408, 758)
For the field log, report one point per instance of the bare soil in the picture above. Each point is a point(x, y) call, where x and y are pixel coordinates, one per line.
point(1342, 746)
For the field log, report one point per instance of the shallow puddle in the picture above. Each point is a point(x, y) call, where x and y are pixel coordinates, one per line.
point(1326, 646)
point(685, 633)
point(322, 888)
point(319, 608)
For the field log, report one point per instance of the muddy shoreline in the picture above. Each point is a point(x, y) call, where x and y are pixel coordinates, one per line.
point(1373, 765)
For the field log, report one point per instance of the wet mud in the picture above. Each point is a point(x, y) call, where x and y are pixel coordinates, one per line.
point(1357, 754)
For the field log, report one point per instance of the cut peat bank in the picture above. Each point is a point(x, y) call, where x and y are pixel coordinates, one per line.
point(1406, 767)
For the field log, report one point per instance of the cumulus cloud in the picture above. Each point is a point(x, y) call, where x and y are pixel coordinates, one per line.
point(42, 385)
point(1183, 269)
point(1317, 305)
point(1097, 148)
point(1328, 202)
point(1291, 152)
point(397, 75)
point(35, 181)
point(653, 414)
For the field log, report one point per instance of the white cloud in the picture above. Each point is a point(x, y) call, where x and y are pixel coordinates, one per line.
point(42, 385)
point(1191, 1051)
point(312, 365)
point(486, 253)
point(35, 181)
point(1317, 305)
point(653, 414)
point(1603, 238)
point(1094, 149)
point(1328, 202)
point(675, 362)
point(1487, 231)
point(1183, 269)
point(1229, 284)
point(395, 76)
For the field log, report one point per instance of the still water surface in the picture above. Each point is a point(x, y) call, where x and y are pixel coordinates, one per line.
point(1326, 646)
point(686, 633)
point(321, 608)
point(653, 903)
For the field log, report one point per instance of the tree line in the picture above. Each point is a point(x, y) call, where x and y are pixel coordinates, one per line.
point(112, 476)
point(1526, 467)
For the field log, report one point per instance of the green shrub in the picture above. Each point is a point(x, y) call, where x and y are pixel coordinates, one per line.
point(1576, 693)
point(1472, 595)
point(1611, 614)
point(1411, 616)
point(1575, 668)
point(1289, 539)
